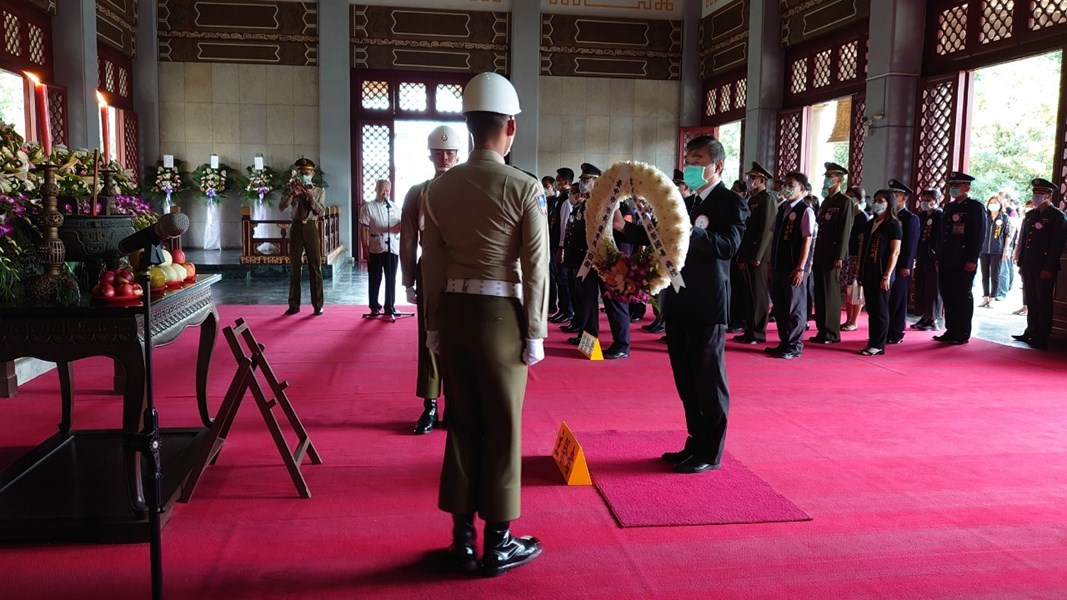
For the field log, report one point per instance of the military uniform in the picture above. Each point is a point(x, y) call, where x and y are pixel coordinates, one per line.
point(1041, 244)
point(963, 229)
point(307, 206)
point(927, 296)
point(412, 220)
point(909, 243)
point(485, 259)
point(835, 217)
point(756, 247)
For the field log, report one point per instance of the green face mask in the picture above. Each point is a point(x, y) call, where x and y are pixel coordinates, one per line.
point(693, 175)
point(954, 192)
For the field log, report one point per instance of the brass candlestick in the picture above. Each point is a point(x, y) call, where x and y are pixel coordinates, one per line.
point(53, 288)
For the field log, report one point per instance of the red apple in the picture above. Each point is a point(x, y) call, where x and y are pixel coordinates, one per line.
point(138, 290)
point(124, 290)
point(125, 275)
point(178, 256)
point(107, 290)
point(107, 277)
point(96, 291)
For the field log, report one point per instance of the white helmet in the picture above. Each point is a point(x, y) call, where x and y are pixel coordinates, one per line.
point(490, 92)
point(443, 138)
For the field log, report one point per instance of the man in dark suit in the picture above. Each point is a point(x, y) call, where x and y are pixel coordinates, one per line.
point(559, 212)
point(754, 257)
point(697, 314)
point(898, 294)
point(927, 297)
point(963, 229)
point(835, 216)
point(1041, 242)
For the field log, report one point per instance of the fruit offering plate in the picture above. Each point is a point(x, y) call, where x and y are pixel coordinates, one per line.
point(175, 284)
point(118, 299)
point(190, 279)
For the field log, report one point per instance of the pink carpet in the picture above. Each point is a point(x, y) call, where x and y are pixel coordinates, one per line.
point(642, 491)
point(931, 473)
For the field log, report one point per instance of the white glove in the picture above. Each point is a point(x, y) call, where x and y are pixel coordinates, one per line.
point(534, 353)
point(432, 342)
point(413, 298)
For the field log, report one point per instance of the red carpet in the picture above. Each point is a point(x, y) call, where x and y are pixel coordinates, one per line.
point(932, 472)
point(642, 491)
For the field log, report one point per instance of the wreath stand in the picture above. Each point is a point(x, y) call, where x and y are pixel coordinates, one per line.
point(245, 379)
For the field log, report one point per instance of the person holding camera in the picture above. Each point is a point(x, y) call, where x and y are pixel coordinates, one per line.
point(307, 204)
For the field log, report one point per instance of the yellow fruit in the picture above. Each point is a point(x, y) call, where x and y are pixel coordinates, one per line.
point(158, 277)
point(135, 259)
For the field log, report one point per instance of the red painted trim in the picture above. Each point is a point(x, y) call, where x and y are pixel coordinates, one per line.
point(688, 133)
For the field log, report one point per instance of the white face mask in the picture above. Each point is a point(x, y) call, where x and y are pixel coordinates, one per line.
point(791, 192)
point(878, 207)
point(929, 205)
point(584, 186)
point(1038, 199)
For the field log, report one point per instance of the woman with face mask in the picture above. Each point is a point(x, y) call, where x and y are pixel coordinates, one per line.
point(851, 288)
point(878, 264)
point(994, 256)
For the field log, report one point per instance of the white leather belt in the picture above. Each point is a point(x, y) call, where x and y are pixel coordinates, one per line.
point(483, 287)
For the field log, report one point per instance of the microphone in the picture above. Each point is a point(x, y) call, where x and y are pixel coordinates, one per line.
point(170, 225)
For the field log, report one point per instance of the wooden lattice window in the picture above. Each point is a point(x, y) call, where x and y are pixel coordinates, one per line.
point(1047, 13)
point(377, 152)
point(25, 39)
point(848, 61)
point(725, 97)
point(131, 144)
point(1060, 167)
point(375, 95)
point(710, 105)
point(939, 148)
point(996, 21)
point(36, 41)
point(821, 69)
point(688, 134)
point(952, 30)
point(855, 140)
point(412, 97)
point(407, 94)
point(449, 98)
point(798, 76)
point(790, 148)
point(114, 76)
point(741, 94)
point(12, 39)
point(968, 34)
point(826, 70)
point(57, 113)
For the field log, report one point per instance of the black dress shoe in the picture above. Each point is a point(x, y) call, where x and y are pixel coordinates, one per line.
point(653, 325)
point(943, 338)
point(677, 457)
point(318, 311)
point(561, 318)
point(1037, 344)
point(613, 353)
point(735, 330)
point(374, 312)
point(788, 354)
point(504, 551)
point(574, 341)
point(570, 328)
point(291, 311)
point(462, 553)
point(895, 342)
point(661, 328)
point(695, 464)
point(635, 318)
point(1021, 337)
point(775, 349)
point(428, 418)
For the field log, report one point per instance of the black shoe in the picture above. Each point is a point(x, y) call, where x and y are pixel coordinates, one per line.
point(318, 311)
point(561, 318)
point(574, 341)
point(819, 339)
point(571, 328)
point(943, 338)
point(504, 551)
point(462, 553)
point(735, 330)
point(788, 354)
point(374, 312)
point(871, 351)
point(292, 311)
point(677, 457)
point(428, 418)
point(894, 342)
point(613, 353)
point(1021, 337)
point(635, 318)
point(662, 339)
point(775, 349)
point(1037, 344)
point(695, 464)
point(653, 325)
point(661, 328)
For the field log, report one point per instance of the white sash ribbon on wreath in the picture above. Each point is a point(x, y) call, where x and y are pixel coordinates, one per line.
point(212, 228)
point(263, 230)
point(603, 221)
point(166, 204)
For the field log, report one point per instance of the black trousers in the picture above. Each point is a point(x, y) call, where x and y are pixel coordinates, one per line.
point(756, 299)
point(696, 352)
point(379, 264)
point(561, 276)
point(994, 280)
point(956, 284)
point(618, 312)
point(827, 283)
point(927, 296)
point(877, 301)
point(1037, 296)
point(898, 307)
point(790, 310)
point(738, 313)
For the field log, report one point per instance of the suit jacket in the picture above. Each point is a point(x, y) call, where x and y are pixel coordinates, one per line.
point(835, 226)
point(963, 229)
point(929, 234)
point(1042, 239)
point(759, 229)
point(909, 242)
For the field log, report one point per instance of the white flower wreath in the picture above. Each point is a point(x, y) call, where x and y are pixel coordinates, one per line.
point(652, 191)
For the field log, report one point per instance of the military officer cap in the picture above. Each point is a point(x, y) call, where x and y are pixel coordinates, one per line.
point(757, 170)
point(1042, 184)
point(566, 173)
point(589, 170)
point(959, 177)
point(897, 186)
point(305, 163)
point(835, 169)
point(678, 176)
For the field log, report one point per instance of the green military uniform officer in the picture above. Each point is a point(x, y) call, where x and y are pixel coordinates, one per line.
point(307, 202)
point(443, 143)
point(485, 270)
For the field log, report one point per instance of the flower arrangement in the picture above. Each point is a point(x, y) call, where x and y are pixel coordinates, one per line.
point(165, 182)
point(650, 270)
point(211, 181)
point(75, 173)
point(16, 161)
point(261, 184)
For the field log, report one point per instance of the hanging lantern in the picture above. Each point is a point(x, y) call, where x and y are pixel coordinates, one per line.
point(843, 122)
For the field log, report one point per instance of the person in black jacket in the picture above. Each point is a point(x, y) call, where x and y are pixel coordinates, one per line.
point(790, 266)
point(898, 295)
point(927, 296)
point(963, 229)
point(754, 257)
point(558, 221)
point(878, 268)
point(1041, 241)
point(995, 249)
point(697, 314)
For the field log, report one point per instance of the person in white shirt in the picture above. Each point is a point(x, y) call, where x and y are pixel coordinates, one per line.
point(379, 234)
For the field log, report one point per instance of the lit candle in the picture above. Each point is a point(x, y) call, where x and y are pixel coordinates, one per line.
point(105, 127)
point(44, 125)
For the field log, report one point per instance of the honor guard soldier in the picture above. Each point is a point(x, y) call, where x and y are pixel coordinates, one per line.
point(1040, 249)
point(754, 256)
point(963, 229)
point(485, 259)
point(790, 265)
point(444, 145)
point(307, 204)
point(898, 294)
point(831, 250)
point(927, 296)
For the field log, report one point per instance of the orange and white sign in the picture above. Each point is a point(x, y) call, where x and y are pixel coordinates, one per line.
point(570, 458)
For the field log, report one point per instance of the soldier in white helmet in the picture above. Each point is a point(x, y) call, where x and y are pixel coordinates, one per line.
point(444, 145)
point(485, 269)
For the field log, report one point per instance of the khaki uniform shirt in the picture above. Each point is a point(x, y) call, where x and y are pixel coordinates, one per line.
point(412, 222)
point(487, 220)
point(305, 211)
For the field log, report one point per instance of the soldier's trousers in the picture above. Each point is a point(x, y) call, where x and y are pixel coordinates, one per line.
point(304, 239)
point(956, 286)
point(756, 300)
point(1038, 296)
point(927, 297)
point(428, 380)
point(482, 340)
point(827, 302)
